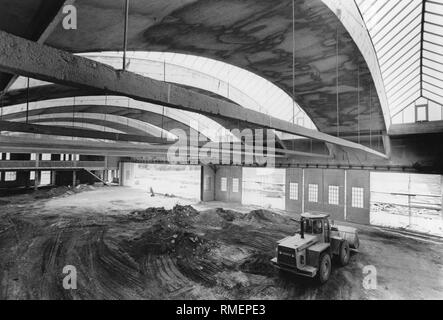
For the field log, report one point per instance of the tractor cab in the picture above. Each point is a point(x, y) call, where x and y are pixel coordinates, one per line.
point(316, 224)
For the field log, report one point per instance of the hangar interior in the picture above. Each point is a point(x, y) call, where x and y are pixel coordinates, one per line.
point(253, 110)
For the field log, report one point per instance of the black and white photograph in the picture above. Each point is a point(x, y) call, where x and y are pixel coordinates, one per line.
point(238, 152)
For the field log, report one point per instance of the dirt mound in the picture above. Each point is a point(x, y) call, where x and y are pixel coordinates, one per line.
point(162, 238)
point(266, 216)
point(210, 218)
point(61, 191)
point(219, 218)
point(168, 232)
point(50, 193)
point(181, 215)
point(150, 213)
point(229, 215)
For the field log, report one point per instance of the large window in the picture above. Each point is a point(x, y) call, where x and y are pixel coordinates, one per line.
point(235, 184)
point(421, 113)
point(313, 193)
point(10, 176)
point(293, 191)
point(32, 175)
point(224, 184)
point(358, 198)
point(334, 195)
point(45, 178)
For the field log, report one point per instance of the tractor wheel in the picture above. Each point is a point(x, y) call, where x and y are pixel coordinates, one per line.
point(324, 270)
point(344, 254)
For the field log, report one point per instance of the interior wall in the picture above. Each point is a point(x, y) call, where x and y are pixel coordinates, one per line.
point(334, 193)
point(233, 191)
point(294, 197)
point(313, 190)
point(358, 180)
point(330, 191)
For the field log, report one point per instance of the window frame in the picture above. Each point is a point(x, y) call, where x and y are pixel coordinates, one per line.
point(358, 197)
point(293, 191)
point(335, 192)
point(224, 184)
point(311, 193)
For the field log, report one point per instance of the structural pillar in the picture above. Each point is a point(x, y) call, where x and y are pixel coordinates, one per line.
point(74, 178)
point(37, 173)
point(37, 180)
point(53, 177)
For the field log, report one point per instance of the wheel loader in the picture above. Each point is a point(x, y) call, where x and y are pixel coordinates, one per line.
point(310, 252)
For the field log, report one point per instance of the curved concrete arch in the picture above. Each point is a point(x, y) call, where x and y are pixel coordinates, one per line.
point(350, 16)
point(169, 70)
point(51, 94)
point(103, 125)
point(123, 123)
point(69, 124)
point(151, 117)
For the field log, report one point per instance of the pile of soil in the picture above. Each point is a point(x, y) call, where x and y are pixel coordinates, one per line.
point(166, 238)
point(263, 216)
point(229, 215)
point(61, 191)
point(180, 215)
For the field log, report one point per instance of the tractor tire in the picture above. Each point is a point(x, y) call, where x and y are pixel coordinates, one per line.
point(344, 254)
point(324, 268)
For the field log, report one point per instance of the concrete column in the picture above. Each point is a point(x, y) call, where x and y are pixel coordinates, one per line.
point(37, 179)
point(120, 173)
point(303, 192)
point(37, 173)
point(53, 177)
point(74, 178)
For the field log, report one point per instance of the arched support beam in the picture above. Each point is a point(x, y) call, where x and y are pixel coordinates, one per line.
point(151, 118)
point(26, 58)
point(77, 132)
point(85, 122)
point(126, 125)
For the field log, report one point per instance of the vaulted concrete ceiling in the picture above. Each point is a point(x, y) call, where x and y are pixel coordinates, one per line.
point(256, 35)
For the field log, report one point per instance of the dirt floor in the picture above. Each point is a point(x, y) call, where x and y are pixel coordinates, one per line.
point(122, 250)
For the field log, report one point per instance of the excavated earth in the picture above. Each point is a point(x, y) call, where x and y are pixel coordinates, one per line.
point(121, 251)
